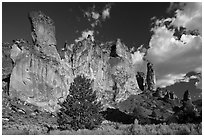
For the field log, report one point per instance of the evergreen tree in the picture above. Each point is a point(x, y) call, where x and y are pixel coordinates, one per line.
point(80, 110)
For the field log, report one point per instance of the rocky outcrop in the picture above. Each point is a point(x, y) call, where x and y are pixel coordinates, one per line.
point(7, 63)
point(187, 113)
point(187, 102)
point(43, 34)
point(186, 96)
point(158, 93)
point(141, 80)
point(42, 78)
point(7, 66)
point(150, 77)
point(86, 58)
point(36, 77)
point(94, 61)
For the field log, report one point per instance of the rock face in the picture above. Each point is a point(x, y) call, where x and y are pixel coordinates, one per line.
point(7, 63)
point(187, 102)
point(140, 80)
point(35, 78)
point(186, 96)
point(43, 34)
point(94, 61)
point(158, 93)
point(36, 75)
point(7, 66)
point(150, 78)
point(42, 78)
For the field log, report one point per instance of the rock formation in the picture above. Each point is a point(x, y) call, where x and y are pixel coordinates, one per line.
point(141, 80)
point(7, 66)
point(150, 78)
point(186, 96)
point(94, 61)
point(42, 78)
point(158, 93)
point(167, 95)
point(36, 75)
point(43, 34)
point(187, 102)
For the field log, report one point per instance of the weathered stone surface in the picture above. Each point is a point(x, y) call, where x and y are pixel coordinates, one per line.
point(158, 93)
point(95, 62)
point(35, 78)
point(41, 77)
point(187, 102)
point(141, 80)
point(186, 96)
point(122, 51)
point(86, 58)
point(167, 95)
point(150, 78)
point(43, 33)
point(7, 63)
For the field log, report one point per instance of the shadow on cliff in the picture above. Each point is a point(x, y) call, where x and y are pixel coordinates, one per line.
point(115, 115)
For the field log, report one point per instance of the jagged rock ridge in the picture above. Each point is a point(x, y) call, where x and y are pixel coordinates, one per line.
point(42, 78)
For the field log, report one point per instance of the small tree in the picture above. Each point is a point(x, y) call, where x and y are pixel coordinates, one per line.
point(80, 110)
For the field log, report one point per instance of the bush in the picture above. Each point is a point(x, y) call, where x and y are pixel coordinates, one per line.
point(80, 110)
point(171, 129)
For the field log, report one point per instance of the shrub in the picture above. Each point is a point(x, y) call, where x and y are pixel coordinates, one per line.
point(80, 110)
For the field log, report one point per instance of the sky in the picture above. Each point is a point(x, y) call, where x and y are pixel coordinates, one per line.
point(172, 32)
point(128, 21)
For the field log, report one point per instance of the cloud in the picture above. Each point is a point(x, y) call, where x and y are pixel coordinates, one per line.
point(173, 57)
point(85, 34)
point(106, 12)
point(95, 15)
point(138, 58)
point(96, 18)
point(190, 17)
point(169, 79)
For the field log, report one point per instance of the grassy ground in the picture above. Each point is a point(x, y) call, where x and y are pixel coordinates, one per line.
point(108, 128)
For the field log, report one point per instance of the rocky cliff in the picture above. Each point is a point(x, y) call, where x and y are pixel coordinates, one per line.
point(42, 78)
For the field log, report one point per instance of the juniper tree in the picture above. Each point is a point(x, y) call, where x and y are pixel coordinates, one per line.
point(80, 110)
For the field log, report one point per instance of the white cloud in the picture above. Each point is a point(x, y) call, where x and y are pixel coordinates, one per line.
point(164, 46)
point(190, 17)
point(106, 13)
point(138, 59)
point(169, 79)
point(172, 57)
point(96, 17)
point(85, 34)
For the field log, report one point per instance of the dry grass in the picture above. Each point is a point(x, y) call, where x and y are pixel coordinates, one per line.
point(111, 128)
